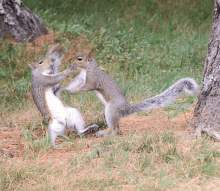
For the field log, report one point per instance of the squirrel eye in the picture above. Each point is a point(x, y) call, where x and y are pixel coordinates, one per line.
point(80, 59)
point(41, 62)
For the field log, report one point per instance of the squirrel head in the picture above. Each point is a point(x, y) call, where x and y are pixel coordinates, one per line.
point(82, 60)
point(45, 66)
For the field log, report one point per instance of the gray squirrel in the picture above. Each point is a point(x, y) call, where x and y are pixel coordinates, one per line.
point(91, 78)
point(44, 84)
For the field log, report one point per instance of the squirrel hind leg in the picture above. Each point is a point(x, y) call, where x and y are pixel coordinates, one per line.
point(112, 119)
point(55, 129)
point(104, 133)
point(75, 120)
point(53, 136)
point(116, 131)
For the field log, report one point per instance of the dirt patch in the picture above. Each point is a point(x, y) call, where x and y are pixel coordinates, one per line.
point(156, 122)
point(12, 143)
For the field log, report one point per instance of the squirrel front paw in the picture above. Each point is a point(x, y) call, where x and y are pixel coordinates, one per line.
point(58, 91)
point(71, 68)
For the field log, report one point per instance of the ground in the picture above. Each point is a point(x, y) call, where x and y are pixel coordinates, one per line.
point(13, 140)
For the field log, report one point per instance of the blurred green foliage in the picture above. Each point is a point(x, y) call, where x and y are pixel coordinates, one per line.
point(145, 45)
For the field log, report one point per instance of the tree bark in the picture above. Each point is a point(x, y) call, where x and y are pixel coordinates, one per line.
point(207, 111)
point(19, 21)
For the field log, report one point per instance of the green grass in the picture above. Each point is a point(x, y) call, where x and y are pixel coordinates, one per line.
point(145, 45)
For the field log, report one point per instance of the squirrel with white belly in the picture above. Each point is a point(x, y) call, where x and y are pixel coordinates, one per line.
point(91, 78)
point(44, 84)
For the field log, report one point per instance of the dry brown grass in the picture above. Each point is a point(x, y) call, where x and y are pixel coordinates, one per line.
point(78, 168)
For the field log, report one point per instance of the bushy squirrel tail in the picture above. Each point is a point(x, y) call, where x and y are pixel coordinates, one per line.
point(56, 53)
point(185, 85)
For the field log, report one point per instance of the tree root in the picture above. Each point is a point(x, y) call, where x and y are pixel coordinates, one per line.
point(212, 133)
point(196, 134)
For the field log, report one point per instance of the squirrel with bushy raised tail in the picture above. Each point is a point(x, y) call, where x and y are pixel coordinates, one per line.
point(91, 78)
point(44, 84)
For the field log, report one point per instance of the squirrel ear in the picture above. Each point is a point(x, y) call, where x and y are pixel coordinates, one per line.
point(91, 51)
point(31, 66)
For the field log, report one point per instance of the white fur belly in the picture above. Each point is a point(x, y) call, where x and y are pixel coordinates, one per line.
point(55, 106)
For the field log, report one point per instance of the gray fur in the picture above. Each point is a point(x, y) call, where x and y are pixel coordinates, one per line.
point(184, 85)
point(39, 84)
point(56, 53)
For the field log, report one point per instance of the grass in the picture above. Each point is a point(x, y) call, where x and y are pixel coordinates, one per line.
point(146, 46)
point(144, 162)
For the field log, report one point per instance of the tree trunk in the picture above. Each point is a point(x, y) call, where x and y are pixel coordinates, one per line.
point(19, 21)
point(207, 111)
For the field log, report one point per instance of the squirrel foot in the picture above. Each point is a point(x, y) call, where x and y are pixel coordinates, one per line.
point(108, 132)
point(53, 146)
point(101, 133)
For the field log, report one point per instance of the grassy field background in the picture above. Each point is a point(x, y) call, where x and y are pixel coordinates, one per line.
point(146, 46)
